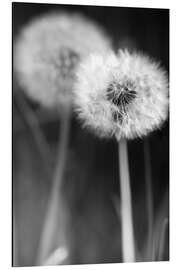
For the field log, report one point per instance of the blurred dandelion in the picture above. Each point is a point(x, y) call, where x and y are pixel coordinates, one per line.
point(125, 96)
point(47, 52)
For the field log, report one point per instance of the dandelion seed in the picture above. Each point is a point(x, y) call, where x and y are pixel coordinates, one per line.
point(121, 96)
point(47, 51)
point(124, 95)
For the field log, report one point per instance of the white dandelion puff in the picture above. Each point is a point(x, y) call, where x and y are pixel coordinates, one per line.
point(47, 51)
point(124, 95)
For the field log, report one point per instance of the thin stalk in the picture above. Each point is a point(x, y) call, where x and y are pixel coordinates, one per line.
point(149, 200)
point(162, 239)
point(55, 209)
point(15, 259)
point(128, 244)
point(32, 123)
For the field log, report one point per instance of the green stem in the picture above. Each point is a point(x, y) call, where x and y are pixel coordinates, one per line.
point(128, 244)
point(55, 211)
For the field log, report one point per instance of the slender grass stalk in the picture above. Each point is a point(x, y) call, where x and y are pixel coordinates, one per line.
point(31, 121)
point(149, 201)
point(128, 244)
point(15, 258)
point(55, 209)
point(162, 239)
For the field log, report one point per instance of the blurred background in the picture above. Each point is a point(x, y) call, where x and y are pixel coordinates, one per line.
point(91, 185)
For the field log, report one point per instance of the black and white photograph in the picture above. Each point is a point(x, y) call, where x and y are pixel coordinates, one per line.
point(90, 134)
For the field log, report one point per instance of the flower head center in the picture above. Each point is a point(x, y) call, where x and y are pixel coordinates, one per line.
point(67, 62)
point(121, 95)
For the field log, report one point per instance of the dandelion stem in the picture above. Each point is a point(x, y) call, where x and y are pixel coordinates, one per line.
point(37, 134)
point(56, 214)
point(149, 200)
point(162, 239)
point(128, 245)
point(15, 259)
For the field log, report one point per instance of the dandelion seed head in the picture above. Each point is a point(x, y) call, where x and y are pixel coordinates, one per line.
point(47, 51)
point(122, 96)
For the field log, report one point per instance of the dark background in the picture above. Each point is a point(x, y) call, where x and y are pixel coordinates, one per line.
point(91, 183)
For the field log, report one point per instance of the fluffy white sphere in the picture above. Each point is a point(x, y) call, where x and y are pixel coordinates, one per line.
point(47, 51)
point(123, 96)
